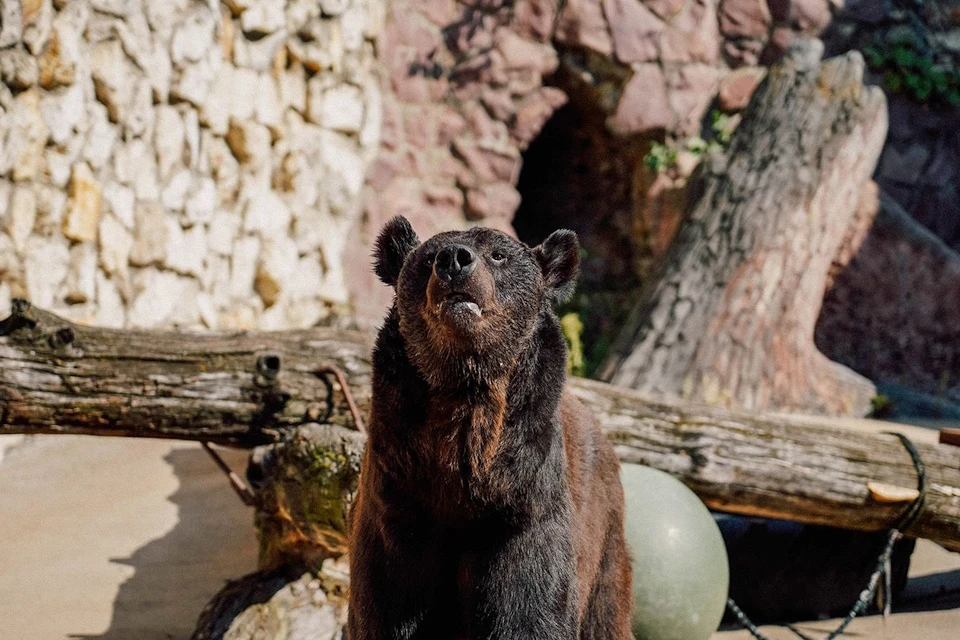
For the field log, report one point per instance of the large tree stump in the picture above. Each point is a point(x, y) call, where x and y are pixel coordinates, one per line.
point(730, 321)
point(304, 487)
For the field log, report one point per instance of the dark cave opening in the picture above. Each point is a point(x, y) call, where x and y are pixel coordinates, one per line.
point(578, 175)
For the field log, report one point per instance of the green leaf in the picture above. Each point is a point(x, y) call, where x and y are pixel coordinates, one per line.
point(722, 127)
point(904, 57)
point(924, 64)
point(660, 157)
point(939, 80)
point(892, 82)
point(873, 56)
point(696, 145)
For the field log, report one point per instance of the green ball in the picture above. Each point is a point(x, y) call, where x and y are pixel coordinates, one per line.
point(680, 571)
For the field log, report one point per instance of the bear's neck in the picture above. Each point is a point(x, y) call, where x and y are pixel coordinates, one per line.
point(535, 374)
point(498, 413)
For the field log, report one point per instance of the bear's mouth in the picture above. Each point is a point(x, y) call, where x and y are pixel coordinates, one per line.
point(458, 301)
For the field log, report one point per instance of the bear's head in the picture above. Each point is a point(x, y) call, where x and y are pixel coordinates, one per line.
point(469, 302)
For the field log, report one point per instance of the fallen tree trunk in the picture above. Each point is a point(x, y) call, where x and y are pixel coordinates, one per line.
point(237, 389)
point(246, 389)
point(806, 469)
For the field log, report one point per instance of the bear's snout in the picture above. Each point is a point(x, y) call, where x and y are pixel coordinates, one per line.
point(455, 263)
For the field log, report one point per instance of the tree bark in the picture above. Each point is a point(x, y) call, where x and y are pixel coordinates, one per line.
point(56, 377)
point(808, 469)
point(730, 319)
point(240, 389)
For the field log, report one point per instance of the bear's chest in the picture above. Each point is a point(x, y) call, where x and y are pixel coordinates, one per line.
point(468, 464)
point(462, 457)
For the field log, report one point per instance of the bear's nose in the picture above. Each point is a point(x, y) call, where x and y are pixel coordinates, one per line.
point(454, 262)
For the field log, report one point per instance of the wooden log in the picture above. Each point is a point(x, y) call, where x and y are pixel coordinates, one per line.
point(240, 389)
point(56, 377)
point(807, 469)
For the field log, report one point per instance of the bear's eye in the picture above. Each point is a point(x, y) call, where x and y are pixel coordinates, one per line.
point(497, 256)
point(428, 261)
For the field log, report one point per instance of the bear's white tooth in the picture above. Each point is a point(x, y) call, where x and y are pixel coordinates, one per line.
point(474, 308)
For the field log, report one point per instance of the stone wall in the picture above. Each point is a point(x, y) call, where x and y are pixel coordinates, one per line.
point(920, 165)
point(182, 162)
point(471, 84)
point(892, 312)
point(464, 95)
point(215, 153)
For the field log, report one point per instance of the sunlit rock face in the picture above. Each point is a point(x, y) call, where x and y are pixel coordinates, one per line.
point(185, 164)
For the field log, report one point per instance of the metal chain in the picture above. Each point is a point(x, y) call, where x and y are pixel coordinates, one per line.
point(882, 568)
point(348, 396)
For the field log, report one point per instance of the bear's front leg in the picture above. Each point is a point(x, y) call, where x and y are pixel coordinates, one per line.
point(526, 582)
point(394, 574)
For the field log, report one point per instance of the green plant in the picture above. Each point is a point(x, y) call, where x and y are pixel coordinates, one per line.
point(591, 320)
point(722, 125)
point(664, 155)
point(573, 331)
point(661, 156)
point(912, 69)
point(881, 406)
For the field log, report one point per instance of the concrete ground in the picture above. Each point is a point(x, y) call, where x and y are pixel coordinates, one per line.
point(928, 609)
point(115, 538)
point(122, 539)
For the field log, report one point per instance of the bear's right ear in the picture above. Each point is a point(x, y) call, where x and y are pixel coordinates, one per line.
point(395, 242)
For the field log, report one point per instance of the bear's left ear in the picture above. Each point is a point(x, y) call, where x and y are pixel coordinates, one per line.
point(395, 242)
point(559, 258)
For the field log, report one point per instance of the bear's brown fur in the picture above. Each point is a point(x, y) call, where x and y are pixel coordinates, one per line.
point(490, 503)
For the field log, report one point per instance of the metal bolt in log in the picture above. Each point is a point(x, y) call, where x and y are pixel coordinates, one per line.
point(61, 338)
point(268, 366)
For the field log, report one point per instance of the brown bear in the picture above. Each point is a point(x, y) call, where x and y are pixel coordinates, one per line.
point(490, 503)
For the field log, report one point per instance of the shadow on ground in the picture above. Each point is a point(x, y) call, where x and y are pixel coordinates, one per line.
point(177, 574)
point(931, 592)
